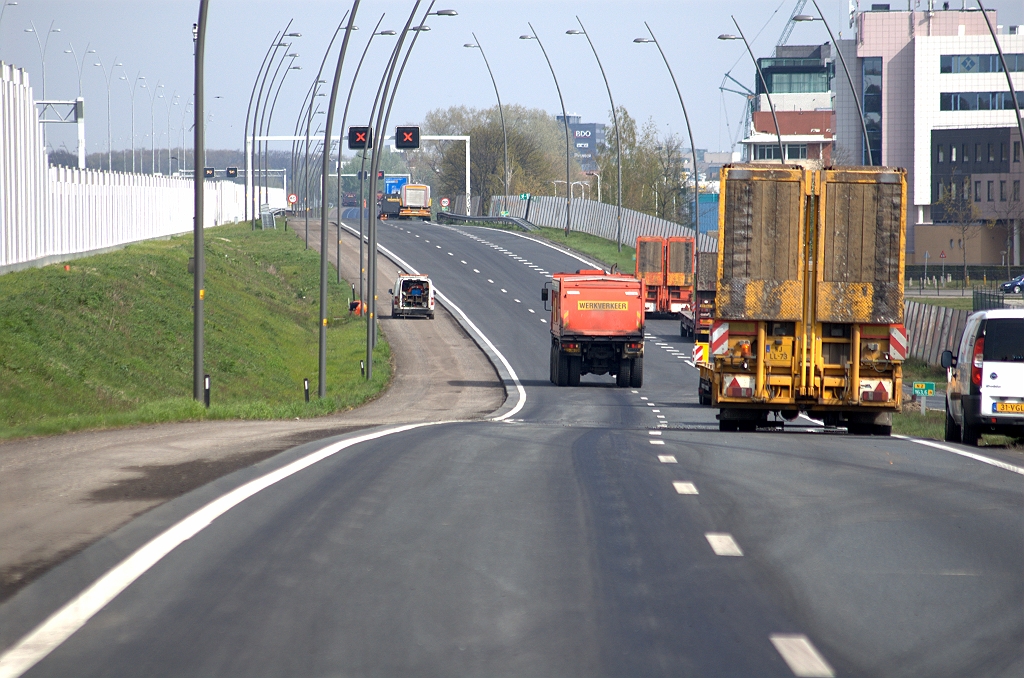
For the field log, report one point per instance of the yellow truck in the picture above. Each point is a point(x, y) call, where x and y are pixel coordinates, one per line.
point(809, 307)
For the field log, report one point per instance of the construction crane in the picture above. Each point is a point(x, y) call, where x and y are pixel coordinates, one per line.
point(788, 30)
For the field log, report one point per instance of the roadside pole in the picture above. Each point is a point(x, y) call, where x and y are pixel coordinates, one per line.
point(199, 154)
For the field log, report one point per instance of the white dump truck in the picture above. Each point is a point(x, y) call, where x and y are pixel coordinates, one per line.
point(412, 295)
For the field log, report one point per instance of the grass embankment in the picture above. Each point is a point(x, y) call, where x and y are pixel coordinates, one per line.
point(604, 250)
point(109, 342)
point(960, 303)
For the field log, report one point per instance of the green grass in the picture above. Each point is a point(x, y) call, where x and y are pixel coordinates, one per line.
point(911, 423)
point(599, 248)
point(915, 369)
point(963, 303)
point(109, 342)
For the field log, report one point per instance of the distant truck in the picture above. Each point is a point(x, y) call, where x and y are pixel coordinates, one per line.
point(412, 295)
point(666, 265)
point(597, 327)
point(415, 202)
point(809, 308)
point(349, 200)
point(696, 323)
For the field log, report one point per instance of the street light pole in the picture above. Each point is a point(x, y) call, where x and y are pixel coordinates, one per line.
point(689, 130)
point(3, 8)
point(199, 293)
point(501, 113)
point(849, 79)
point(764, 84)
point(107, 75)
point(341, 140)
point(270, 116)
point(152, 124)
point(618, 144)
point(565, 120)
point(261, 157)
point(79, 65)
point(131, 90)
point(42, 56)
point(1006, 72)
point(248, 113)
point(322, 385)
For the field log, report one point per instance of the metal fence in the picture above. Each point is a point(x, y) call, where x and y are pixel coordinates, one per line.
point(50, 212)
point(596, 218)
point(984, 300)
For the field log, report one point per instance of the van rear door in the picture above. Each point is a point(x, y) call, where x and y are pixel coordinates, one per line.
point(1002, 378)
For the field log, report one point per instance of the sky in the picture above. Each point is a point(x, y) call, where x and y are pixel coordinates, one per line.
point(153, 39)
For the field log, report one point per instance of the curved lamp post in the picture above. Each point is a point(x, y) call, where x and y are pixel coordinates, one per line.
point(778, 132)
point(131, 91)
point(1006, 72)
point(476, 45)
point(152, 123)
point(849, 79)
point(79, 65)
point(107, 75)
point(565, 119)
point(615, 120)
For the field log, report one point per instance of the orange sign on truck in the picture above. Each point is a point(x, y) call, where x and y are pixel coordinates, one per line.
point(597, 326)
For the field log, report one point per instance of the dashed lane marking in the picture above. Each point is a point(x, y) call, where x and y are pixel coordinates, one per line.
point(650, 404)
point(476, 270)
point(685, 488)
point(641, 397)
point(655, 410)
point(723, 544)
point(656, 442)
point(531, 310)
point(654, 433)
point(491, 281)
point(803, 658)
point(504, 291)
point(667, 458)
point(518, 302)
point(463, 261)
point(661, 416)
point(543, 320)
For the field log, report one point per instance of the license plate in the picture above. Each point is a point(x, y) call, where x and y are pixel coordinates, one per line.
point(1010, 407)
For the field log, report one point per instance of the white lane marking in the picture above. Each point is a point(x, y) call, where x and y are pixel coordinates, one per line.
point(634, 391)
point(964, 453)
point(60, 625)
point(654, 433)
point(543, 321)
point(685, 488)
point(641, 397)
point(476, 270)
point(490, 281)
point(723, 544)
point(517, 301)
point(660, 416)
point(450, 254)
point(650, 404)
point(688, 362)
point(656, 442)
point(817, 422)
point(531, 310)
point(590, 264)
point(504, 291)
point(417, 236)
point(667, 459)
point(483, 337)
point(803, 658)
point(463, 261)
point(549, 276)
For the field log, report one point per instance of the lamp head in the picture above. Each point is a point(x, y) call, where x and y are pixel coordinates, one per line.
point(387, 32)
point(421, 27)
point(642, 40)
point(727, 36)
point(446, 12)
point(293, 35)
point(573, 31)
point(526, 37)
point(471, 45)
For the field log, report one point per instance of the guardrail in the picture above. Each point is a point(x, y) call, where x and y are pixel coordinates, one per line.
point(463, 219)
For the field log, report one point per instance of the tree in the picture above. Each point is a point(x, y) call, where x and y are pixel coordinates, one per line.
point(957, 207)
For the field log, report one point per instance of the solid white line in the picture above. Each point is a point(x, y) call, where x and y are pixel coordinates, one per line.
point(667, 458)
point(656, 442)
point(964, 453)
point(803, 658)
point(685, 488)
point(813, 421)
point(60, 625)
point(723, 544)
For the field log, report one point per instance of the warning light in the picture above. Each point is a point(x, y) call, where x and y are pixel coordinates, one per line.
point(232, 172)
point(407, 137)
point(359, 137)
point(208, 172)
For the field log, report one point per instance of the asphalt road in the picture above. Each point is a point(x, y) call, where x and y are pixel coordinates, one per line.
point(597, 531)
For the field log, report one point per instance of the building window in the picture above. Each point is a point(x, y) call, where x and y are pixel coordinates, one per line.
point(1002, 152)
point(1016, 190)
point(1016, 151)
point(952, 152)
point(991, 185)
point(965, 156)
point(941, 190)
point(796, 151)
point(871, 96)
point(979, 63)
point(977, 152)
point(766, 152)
point(991, 154)
point(978, 101)
point(1002, 191)
point(940, 151)
point(977, 191)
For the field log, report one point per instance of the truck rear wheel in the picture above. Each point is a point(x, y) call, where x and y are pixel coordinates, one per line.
point(636, 376)
point(561, 369)
point(622, 379)
point(575, 367)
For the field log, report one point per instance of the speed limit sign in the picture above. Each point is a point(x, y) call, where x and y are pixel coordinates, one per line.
point(445, 202)
point(292, 198)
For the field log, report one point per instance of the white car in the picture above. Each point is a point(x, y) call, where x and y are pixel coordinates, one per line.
point(412, 295)
point(985, 391)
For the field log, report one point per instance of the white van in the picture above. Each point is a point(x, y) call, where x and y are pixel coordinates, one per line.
point(985, 393)
point(412, 295)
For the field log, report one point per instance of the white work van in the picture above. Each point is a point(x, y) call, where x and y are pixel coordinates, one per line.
point(412, 295)
point(985, 393)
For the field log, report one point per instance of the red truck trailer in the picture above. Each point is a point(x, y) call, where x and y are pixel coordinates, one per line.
point(666, 266)
point(597, 326)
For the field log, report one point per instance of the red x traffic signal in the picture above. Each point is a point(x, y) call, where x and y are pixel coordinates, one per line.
point(359, 137)
point(407, 137)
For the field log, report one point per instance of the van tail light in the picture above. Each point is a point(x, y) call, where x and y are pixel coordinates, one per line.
point(977, 358)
